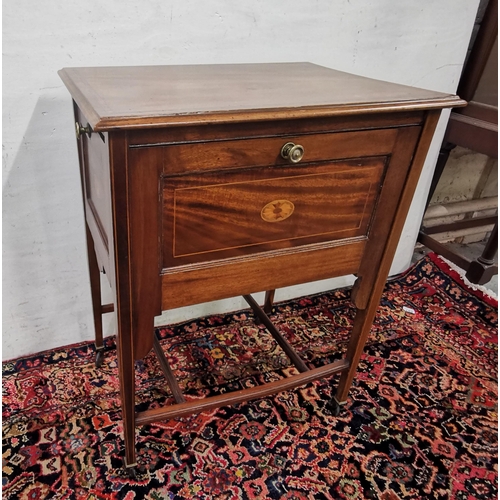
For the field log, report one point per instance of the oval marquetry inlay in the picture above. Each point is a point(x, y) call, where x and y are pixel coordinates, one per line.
point(277, 210)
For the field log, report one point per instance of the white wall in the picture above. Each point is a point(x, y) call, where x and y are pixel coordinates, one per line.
point(46, 298)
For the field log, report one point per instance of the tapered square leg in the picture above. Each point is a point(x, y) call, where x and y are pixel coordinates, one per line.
point(95, 290)
point(269, 301)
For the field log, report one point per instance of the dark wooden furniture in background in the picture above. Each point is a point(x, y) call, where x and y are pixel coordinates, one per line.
point(474, 127)
point(206, 182)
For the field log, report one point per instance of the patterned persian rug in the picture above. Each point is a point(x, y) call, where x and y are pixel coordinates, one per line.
point(421, 421)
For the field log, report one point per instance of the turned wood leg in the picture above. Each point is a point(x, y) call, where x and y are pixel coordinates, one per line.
point(95, 290)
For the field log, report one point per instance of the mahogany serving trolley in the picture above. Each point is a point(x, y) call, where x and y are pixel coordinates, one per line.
point(211, 181)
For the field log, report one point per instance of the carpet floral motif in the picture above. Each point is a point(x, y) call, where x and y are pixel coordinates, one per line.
point(421, 420)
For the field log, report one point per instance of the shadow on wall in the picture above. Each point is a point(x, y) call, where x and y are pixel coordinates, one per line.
point(46, 285)
point(45, 279)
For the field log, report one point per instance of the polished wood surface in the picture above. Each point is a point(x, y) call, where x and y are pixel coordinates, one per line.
point(188, 198)
point(211, 217)
point(379, 253)
point(200, 405)
point(145, 96)
point(213, 280)
point(250, 152)
point(199, 133)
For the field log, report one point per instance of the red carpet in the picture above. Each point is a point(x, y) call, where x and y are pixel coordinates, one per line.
point(421, 421)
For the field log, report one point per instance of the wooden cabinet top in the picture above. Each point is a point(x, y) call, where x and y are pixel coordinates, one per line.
point(156, 96)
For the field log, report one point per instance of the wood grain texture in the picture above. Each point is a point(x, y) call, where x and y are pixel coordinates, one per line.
point(193, 154)
point(98, 224)
point(197, 157)
point(240, 276)
point(144, 246)
point(177, 135)
point(213, 217)
point(155, 96)
point(123, 306)
point(96, 159)
point(94, 171)
point(383, 220)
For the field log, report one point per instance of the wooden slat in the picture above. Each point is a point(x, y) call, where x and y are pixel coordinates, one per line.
point(284, 344)
point(107, 308)
point(268, 301)
point(461, 224)
point(440, 249)
point(167, 371)
point(474, 134)
point(197, 406)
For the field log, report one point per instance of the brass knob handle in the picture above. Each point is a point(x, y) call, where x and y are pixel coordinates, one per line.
point(80, 130)
point(292, 152)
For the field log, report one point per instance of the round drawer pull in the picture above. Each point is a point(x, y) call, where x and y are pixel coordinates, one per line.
point(80, 130)
point(292, 152)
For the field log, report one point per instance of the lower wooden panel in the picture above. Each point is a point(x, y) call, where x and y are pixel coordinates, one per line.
point(229, 278)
